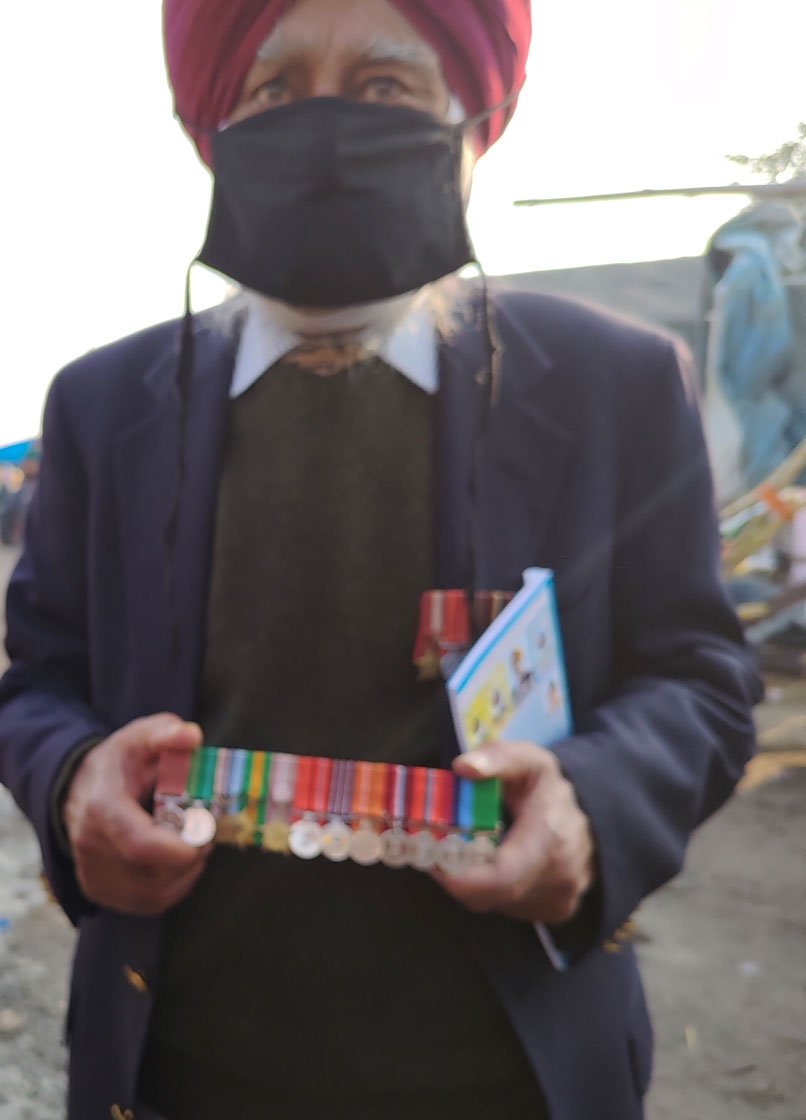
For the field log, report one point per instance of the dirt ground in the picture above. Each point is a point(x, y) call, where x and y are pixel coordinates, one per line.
point(723, 950)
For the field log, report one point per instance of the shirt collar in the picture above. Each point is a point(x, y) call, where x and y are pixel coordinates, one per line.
point(411, 349)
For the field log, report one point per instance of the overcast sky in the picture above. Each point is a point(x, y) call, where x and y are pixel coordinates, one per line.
point(104, 202)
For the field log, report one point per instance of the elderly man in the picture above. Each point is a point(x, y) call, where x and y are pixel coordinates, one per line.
point(236, 519)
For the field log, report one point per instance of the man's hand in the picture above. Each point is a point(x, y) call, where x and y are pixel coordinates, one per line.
point(124, 861)
point(546, 862)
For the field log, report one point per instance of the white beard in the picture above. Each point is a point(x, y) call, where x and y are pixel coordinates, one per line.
point(368, 323)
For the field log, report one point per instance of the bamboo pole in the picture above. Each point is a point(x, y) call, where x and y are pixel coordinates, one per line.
point(784, 475)
point(795, 188)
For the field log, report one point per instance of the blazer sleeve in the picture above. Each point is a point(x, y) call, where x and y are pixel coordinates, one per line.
point(45, 710)
point(666, 749)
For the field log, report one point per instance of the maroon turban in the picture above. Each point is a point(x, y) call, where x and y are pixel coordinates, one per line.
point(210, 46)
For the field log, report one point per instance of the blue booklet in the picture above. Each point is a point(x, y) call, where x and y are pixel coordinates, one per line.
point(512, 683)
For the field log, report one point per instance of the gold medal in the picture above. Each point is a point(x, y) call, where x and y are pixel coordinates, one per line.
point(428, 665)
point(275, 837)
point(236, 830)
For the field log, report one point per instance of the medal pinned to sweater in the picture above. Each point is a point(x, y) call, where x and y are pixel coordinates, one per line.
point(443, 634)
point(446, 626)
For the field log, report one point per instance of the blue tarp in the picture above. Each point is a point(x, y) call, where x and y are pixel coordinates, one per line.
point(753, 350)
point(16, 452)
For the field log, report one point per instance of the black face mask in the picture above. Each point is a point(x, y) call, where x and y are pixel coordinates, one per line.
point(330, 202)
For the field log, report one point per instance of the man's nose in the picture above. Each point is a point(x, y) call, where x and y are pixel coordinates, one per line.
point(326, 82)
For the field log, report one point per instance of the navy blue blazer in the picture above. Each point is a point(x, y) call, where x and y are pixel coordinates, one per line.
point(592, 464)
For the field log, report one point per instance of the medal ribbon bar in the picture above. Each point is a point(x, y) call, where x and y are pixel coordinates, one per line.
point(367, 811)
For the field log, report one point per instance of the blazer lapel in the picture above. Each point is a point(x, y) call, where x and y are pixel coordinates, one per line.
point(460, 404)
point(166, 595)
point(520, 448)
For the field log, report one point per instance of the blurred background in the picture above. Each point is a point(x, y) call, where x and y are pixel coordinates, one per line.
point(104, 206)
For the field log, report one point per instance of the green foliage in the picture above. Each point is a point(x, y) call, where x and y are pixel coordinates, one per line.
point(788, 160)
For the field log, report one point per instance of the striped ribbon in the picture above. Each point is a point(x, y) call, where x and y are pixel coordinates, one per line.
point(448, 623)
point(258, 797)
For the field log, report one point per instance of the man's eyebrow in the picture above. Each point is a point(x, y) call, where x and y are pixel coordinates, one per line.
point(383, 49)
point(280, 47)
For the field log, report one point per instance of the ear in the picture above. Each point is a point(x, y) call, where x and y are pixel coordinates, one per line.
point(471, 150)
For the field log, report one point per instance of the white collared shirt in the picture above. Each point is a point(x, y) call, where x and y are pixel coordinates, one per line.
point(411, 348)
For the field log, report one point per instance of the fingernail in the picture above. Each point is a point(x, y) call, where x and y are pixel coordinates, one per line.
point(481, 762)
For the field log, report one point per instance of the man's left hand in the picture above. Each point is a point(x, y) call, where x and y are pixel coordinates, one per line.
point(546, 861)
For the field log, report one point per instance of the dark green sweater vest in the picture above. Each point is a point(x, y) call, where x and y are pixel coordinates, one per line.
point(296, 982)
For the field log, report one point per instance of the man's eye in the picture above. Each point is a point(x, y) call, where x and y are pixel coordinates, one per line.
point(383, 89)
point(271, 93)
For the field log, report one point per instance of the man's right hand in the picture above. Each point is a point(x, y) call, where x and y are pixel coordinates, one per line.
point(124, 861)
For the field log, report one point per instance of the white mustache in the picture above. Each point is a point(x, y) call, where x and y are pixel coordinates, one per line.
point(366, 322)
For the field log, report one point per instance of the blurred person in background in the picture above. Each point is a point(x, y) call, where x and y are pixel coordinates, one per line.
point(236, 519)
point(16, 495)
point(8, 487)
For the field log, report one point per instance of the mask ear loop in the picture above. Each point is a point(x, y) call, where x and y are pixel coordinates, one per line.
point(480, 118)
point(184, 377)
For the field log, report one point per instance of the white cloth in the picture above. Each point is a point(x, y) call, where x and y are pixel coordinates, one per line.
point(411, 348)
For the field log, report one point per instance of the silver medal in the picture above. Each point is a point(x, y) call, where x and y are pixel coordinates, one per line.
point(422, 849)
point(199, 827)
point(394, 845)
point(336, 838)
point(170, 814)
point(452, 854)
point(481, 851)
point(305, 839)
point(366, 847)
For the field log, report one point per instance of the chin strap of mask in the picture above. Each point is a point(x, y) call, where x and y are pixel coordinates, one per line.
point(489, 381)
point(184, 375)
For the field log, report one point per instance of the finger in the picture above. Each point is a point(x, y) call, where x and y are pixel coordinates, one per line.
point(506, 761)
point(152, 897)
point(163, 732)
point(477, 890)
point(143, 742)
point(141, 842)
point(182, 887)
point(519, 861)
point(132, 890)
point(497, 886)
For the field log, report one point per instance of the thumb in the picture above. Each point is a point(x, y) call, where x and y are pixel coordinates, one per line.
point(506, 761)
point(165, 732)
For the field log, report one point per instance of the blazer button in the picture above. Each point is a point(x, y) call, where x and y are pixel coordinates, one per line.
point(44, 882)
point(625, 932)
point(611, 947)
point(136, 980)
